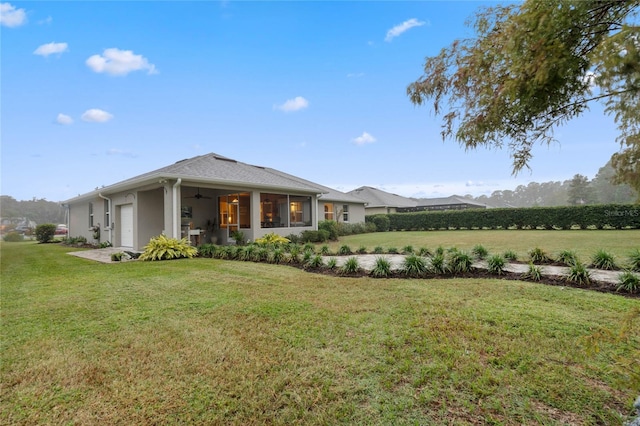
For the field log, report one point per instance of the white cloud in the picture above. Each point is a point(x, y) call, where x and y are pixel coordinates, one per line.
point(119, 62)
point(363, 139)
point(96, 116)
point(405, 26)
point(295, 104)
point(46, 21)
point(50, 48)
point(12, 17)
point(64, 119)
point(590, 79)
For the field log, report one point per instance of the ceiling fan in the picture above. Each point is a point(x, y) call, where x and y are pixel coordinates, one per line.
point(199, 196)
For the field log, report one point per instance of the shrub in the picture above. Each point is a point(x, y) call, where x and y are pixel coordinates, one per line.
point(460, 262)
point(309, 247)
point(414, 266)
point(246, 252)
point(351, 266)
point(510, 255)
point(603, 260)
point(45, 232)
point(479, 251)
point(392, 250)
point(13, 237)
point(293, 238)
point(331, 226)
point(163, 248)
point(239, 237)
point(424, 252)
point(440, 250)
point(579, 274)
point(634, 260)
point(294, 253)
point(306, 256)
point(533, 273)
point(362, 250)
point(325, 250)
point(378, 250)
point(272, 238)
point(105, 244)
point(628, 282)
point(407, 249)
point(381, 222)
point(496, 264)
point(537, 255)
point(567, 257)
point(260, 254)
point(344, 249)
point(319, 236)
point(382, 268)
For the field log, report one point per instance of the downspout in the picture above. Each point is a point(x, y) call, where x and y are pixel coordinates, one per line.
point(176, 223)
point(109, 227)
point(315, 227)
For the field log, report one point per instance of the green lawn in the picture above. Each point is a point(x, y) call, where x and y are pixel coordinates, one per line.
point(584, 242)
point(206, 341)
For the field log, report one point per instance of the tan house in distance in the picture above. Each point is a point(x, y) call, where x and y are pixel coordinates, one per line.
point(206, 199)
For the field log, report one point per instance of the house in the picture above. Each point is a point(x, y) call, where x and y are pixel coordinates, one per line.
point(381, 202)
point(453, 202)
point(206, 199)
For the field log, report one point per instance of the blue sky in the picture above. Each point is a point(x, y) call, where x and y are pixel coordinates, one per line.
point(96, 92)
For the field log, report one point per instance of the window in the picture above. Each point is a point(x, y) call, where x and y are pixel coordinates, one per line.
point(107, 214)
point(299, 211)
point(90, 215)
point(273, 210)
point(235, 211)
point(328, 211)
point(345, 213)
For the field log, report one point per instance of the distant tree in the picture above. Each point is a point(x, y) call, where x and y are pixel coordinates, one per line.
point(536, 65)
point(607, 192)
point(580, 191)
point(38, 210)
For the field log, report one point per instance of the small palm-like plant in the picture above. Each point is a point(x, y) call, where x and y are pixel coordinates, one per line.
point(378, 250)
point(629, 282)
point(424, 251)
point(460, 262)
point(414, 266)
point(634, 260)
point(392, 250)
point(438, 264)
point(332, 263)
point(206, 250)
point(344, 250)
point(277, 255)
point(315, 262)
point(362, 250)
point(579, 274)
point(567, 257)
point(382, 268)
point(408, 249)
point(479, 251)
point(164, 248)
point(496, 264)
point(306, 256)
point(440, 250)
point(602, 259)
point(533, 273)
point(294, 253)
point(537, 255)
point(325, 250)
point(309, 247)
point(510, 255)
point(246, 252)
point(260, 254)
point(350, 266)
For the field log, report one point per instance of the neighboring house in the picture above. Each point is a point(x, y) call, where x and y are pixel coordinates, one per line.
point(453, 202)
point(206, 199)
point(381, 202)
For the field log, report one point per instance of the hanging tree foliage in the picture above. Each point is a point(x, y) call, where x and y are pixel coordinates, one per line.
point(537, 65)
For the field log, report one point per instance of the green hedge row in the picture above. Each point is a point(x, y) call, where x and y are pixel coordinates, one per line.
point(618, 216)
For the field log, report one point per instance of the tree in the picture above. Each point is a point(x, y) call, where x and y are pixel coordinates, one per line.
point(537, 65)
point(608, 193)
point(580, 191)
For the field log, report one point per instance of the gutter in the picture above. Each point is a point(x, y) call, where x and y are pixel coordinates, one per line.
point(176, 224)
point(109, 227)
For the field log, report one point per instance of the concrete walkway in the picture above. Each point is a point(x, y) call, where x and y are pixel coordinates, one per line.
point(368, 262)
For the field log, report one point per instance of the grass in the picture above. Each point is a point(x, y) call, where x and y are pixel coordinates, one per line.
point(584, 242)
point(209, 341)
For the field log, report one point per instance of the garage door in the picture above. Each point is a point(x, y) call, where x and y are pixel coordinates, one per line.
point(126, 225)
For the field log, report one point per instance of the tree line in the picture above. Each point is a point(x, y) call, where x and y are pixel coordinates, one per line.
point(38, 210)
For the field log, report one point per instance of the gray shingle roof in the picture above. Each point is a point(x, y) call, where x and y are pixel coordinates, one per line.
point(453, 199)
point(378, 198)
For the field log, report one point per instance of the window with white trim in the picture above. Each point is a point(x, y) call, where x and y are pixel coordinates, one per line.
point(90, 215)
point(345, 213)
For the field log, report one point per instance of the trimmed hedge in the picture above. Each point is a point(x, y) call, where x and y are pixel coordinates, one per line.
point(617, 216)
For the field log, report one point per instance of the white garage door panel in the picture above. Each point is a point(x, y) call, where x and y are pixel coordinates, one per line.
point(126, 225)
